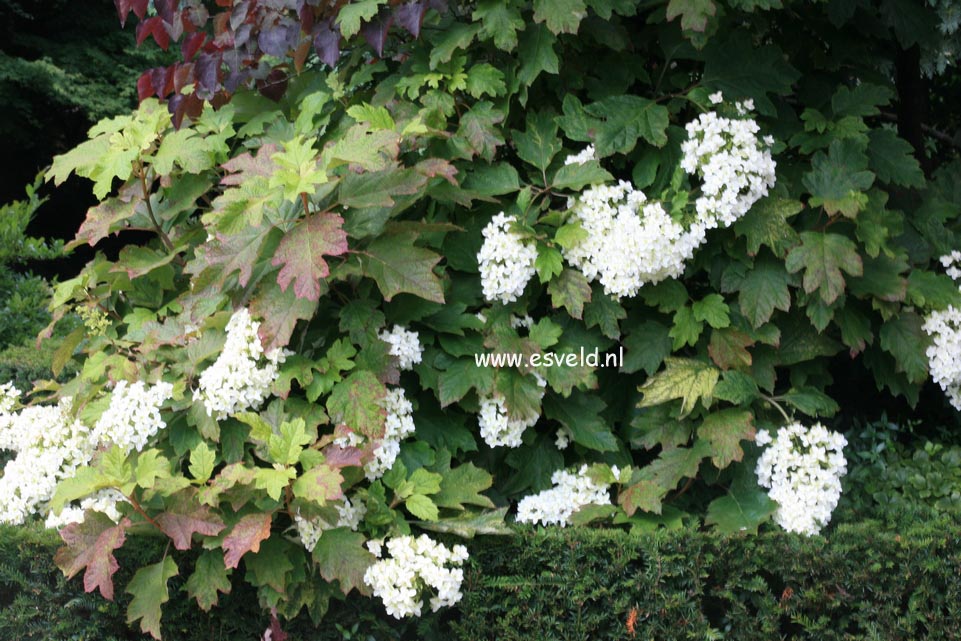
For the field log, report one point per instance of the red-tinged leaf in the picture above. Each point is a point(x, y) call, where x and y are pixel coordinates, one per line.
point(320, 485)
point(645, 495)
point(275, 632)
point(728, 349)
point(237, 252)
point(245, 537)
point(192, 44)
point(229, 477)
point(144, 86)
point(327, 42)
point(410, 16)
point(161, 78)
point(124, 7)
point(102, 220)
point(245, 166)
point(398, 266)
point(183, 75)
point(280, 310)
point(340, 555)
point(302, 251)
point(357, 403)
point(153, 27)
point(338, 456)
point(375, 31)
point(725, 430)
point(433, 167)
point(185, 517)
point(90, 545)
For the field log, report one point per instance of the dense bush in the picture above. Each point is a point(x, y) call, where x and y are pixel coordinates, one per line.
point(861, 582)
point(457, 176)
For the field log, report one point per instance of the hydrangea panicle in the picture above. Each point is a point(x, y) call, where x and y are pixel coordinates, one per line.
point(570, 493)
point(405, 345)
point(133, 416)
point(412, 568)
point(802, 469)
point(497, 428)
point(241, 376)
point(506, 260)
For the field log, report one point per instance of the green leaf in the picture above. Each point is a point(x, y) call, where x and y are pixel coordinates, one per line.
point(357, 403)
point(580, 413)
point(604, 311)
point(549, 263)
point(684, 378)
point(571, 291)
point(320, 484)
point(615, 124)
point(271, 565)
point(560, 16)
point(209, 577)
point(904, 338)
point(89, 546)
point(500, 22)
point(378, 117)
point(810, 401)
point(744, 508)
point(725, 430)
point(823, 256)
point(285, 448)
point(149, 589)
point(86, 481)
point(860, 100)
point(694, 13)
point(456, 36)
point(462, 486)
point(397, 266)
point(485, 80)
point(766, 224)
point(273, 480)
point(837, 181)
point(892, 159)
point(422, 507)
point(576, 176)
point(202, 461)
point(460, 377)
point(686, 329)
point(538, 143)
point(478, 133)
point(740, 69)
point(301, 253)
point(647, 346)
point(936, 291)
point(536, 54)
point(764, 289)
point(341, 556)
point(350, 16)
point(714, 310)
point(470, 524)
point(736, 387)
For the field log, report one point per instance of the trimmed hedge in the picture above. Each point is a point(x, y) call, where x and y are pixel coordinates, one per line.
point(859, 582)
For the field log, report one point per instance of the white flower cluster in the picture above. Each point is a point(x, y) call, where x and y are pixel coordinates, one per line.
point(415, 565)
point(802, 469)
point(497, 428)
point(399, 425)
point(237, 381)
point(735, 167)
point(628, 243)
point(133, 416)
point(404, 344)
point(104, 501)
point(570, 493)
point(506, 260)
point(310, 530)
point(585, 155)
point(944, 328)
point(563, 438)
point(50, 446)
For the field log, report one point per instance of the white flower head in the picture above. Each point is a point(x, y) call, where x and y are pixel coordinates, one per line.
point(506, 260)
point(405, 345)
point(802, 469)
point(413, 568)
point(133, 416)
point(497, 428)
point(585, 155)
point(570, 493)
point(241, 377)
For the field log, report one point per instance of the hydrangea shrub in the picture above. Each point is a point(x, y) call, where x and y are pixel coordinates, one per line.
point(345, 214)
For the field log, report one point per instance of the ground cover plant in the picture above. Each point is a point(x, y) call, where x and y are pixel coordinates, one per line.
point(352, 204)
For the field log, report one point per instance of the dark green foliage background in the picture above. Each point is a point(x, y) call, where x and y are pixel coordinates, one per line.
point(863, 581)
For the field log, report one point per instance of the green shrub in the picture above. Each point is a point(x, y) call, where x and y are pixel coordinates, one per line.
point(860, 582)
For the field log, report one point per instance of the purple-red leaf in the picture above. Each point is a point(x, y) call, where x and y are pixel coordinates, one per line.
point(327, 42)
point(153, 27)
point(185, 517)
point(124, 7)
point(90, 545)
point(375, 31)
point(302, 251)
point(410, 16)
point(245, 537)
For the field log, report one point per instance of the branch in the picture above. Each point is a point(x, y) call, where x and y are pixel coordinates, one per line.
point(153, 219)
